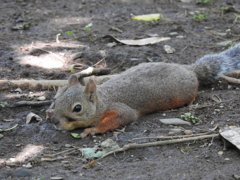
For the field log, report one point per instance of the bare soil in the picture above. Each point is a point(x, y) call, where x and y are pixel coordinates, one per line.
point(29, 50)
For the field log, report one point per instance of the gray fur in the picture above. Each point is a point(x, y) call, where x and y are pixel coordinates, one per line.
point(210, 67)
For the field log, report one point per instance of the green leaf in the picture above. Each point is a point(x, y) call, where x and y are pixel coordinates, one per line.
point(76, 135)
point(147, 17)
point(3, 104)
point(71, 69)
point(88, 26)
point(1, 130)
point(71, 32)
point(237, 15)
point(92, 152)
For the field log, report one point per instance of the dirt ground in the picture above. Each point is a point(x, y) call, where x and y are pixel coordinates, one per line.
point(29, 50)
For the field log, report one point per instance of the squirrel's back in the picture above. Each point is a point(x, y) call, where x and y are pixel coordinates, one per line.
point(210, 67)
point(151, 87)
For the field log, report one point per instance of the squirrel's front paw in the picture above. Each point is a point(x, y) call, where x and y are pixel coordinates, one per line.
point(88, 131)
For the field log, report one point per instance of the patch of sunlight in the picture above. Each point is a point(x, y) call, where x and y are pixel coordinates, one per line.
point(29, 151)
point(46, 61)
point(47, 55)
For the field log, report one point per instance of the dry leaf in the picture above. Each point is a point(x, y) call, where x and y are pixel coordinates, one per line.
point(141, 42)
point(147, 17)
point(31, 116)
point(231, 134)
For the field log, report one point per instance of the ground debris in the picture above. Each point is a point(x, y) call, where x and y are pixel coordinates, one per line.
point(232, 135)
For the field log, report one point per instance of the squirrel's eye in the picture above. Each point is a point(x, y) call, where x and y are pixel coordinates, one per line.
point(77, 108)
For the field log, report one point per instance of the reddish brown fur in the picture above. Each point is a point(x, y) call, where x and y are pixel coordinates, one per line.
point(109, 120)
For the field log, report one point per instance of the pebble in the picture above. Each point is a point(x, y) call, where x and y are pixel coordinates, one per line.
point(110, 45)
point(41, 98)
point(28, 165)
point(169, 49)
point(56, 178)
point(171, 133)
point(173, 34)
point(220, 153)
point(68, 145)
point(76, 55)
point(1, 136)
point(179, 37)
point(18, 90)
point(187, 132)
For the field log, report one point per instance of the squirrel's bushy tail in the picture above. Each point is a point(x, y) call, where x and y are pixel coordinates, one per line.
point(210, 67)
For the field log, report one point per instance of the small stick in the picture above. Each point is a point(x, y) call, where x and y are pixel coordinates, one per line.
point(172, 137)
point(157, 143)
point(62, 152)
point(47, 84)
point(31, 103)
point(230, 79)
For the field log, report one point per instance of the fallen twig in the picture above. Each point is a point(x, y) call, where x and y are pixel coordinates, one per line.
point(31, 103)
point(32, 84)
point(62, 152)
point(172, 137)
point(46, 84)
point(157, 143)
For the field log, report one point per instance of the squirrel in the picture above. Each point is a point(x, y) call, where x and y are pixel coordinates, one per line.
point(140, 90)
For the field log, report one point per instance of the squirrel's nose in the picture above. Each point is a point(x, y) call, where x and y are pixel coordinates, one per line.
point(49, 114)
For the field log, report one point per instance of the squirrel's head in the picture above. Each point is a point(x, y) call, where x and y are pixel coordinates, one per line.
point(76, 107)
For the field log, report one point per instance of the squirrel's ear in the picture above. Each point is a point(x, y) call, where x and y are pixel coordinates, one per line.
point(90, 87)
point(90, 90)
point(73, 80)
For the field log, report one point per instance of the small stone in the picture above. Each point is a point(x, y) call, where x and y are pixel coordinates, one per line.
point(187, 132)
point(76, 55)
point(110, 45)
point(1, 136)
point(173, 34)
point(41, 98)
point(220, 153)
point(18, 90)
point(179, 37)
point(56, 178)
point(28, 165)
point(68, 145)
point(169, 49)
point(171, 133)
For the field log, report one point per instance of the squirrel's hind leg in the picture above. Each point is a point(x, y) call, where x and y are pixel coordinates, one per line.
point(112, 119)
point(231, 76)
